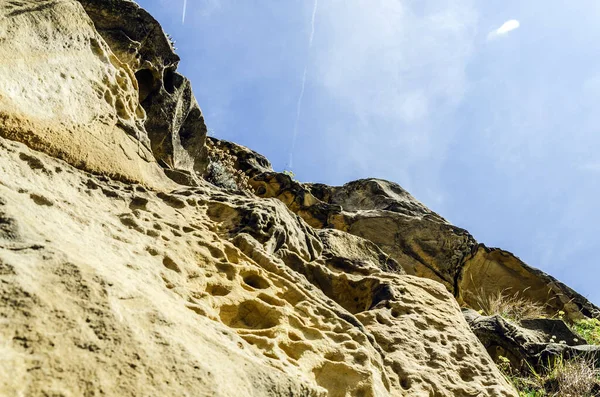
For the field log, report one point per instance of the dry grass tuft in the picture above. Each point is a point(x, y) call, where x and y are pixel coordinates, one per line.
point(511, 306)
point(561, 378)
point(575, 378)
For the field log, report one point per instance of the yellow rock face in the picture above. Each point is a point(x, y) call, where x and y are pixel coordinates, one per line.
point(110, 287)
point(113, 283)
point(62, 91)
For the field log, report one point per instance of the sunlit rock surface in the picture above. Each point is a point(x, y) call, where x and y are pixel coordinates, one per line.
point(124, 273)
point(110, 287)
point(64, 92)
point(174, 121)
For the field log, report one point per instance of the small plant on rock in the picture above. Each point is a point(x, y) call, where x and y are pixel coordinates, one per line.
point(588, 329)
point(171, 41)
point(575, 378)
point(560, 378)
point(513, 307)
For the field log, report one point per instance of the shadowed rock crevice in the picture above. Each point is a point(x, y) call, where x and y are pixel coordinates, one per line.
point(146, 83)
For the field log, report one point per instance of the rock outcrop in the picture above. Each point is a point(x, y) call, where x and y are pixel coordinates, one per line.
point(531, 343)
point(205, 292)
point(494, 270)
point(421, 241)
point(124, 273)
point(174, 121)
point(95, 83)
point(64, 92)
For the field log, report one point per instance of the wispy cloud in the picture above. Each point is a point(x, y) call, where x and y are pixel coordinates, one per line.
point(301, 96)
point(503, 30)
point(395, 70)
point(184, 10)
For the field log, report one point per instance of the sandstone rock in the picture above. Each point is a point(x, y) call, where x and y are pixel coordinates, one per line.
point(351, 254)
point(123, 282)
point(245, 160)
point(64, 92)
point(174, 121)
point(553, 351)
point(373, 194)
point(296, 197)
point(111, 288)
point(421, 241)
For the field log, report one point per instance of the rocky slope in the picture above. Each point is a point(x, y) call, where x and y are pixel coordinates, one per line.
point(124, 272)
point(421, 241)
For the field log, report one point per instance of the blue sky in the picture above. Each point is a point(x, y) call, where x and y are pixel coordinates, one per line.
point(495, 129)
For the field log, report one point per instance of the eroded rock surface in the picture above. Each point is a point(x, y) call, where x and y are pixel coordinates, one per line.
point(95, 83)
point(124, 273)
point(174, 122)
point(421, 241)
point(145, 293)
point(64, 92)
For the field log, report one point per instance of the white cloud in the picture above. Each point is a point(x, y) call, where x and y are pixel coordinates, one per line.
point(397, 69)
point(506, 27)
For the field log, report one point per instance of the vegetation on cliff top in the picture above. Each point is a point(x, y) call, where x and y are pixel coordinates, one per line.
point(559, 377)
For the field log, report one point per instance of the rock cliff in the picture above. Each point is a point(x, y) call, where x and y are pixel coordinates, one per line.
point(131, 265)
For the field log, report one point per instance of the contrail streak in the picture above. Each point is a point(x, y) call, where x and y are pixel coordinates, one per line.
point(298, 107)
point(184, 9)
point(301, 96)
point(312, 24)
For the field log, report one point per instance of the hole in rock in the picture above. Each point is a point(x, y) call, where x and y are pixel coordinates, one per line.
point(405, 383)
point(256, 281)
point(169, 80)
point(171, 264)
point(145, 80)
point(218, 290)
point(249, 315)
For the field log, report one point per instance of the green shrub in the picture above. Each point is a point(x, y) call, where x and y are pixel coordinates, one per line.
point(588, 329)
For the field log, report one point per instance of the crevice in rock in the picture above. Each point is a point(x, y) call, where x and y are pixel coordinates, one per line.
point(146, 83)
point(169, 80)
